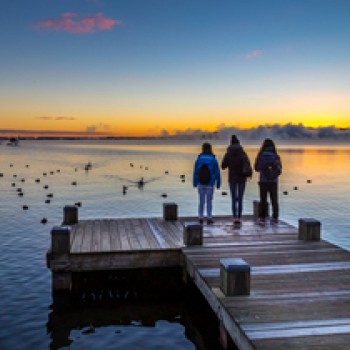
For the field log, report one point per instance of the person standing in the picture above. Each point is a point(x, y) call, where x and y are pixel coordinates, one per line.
point(268, 164)
point(239, 169)
point(206, 175)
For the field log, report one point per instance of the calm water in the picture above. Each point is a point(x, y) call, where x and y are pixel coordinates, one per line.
point(28, 319)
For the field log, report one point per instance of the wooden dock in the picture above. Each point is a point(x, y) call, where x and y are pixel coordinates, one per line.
point(299, 289)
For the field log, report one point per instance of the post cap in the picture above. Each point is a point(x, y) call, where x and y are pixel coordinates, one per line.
point(235, 265)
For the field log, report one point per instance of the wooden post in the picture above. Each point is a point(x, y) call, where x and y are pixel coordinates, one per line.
point(70, 215)
point(170, 211)
point(61, 281)
point(256, 209)
point(234, 277)
point(309, 230)
point(60, 240)
point(60, 248)
point(193, 234)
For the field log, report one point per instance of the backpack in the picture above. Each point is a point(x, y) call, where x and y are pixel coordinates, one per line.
point(270, 168)
point(247, 170)
point(204, 175)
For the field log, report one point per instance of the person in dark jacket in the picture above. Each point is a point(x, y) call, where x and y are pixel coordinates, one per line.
point(233, 160)
point(206, 189)
point(268, 164)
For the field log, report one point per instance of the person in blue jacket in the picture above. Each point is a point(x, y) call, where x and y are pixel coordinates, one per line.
point(268, 164)
point(206, 180)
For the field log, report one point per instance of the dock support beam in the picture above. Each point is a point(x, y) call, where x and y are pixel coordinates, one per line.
point(225, 339)
point(193, 234)
point(60, 248)
point(70, 215)
point(170, 211)
point(309, 230)
point(234, 277)
point(61, 281)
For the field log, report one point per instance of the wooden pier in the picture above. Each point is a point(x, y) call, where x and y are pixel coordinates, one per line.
point(298, 293)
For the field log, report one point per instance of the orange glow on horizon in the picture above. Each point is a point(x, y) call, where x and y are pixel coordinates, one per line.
point(147, 124)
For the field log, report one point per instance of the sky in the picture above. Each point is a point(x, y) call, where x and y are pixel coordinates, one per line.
point(152, 67)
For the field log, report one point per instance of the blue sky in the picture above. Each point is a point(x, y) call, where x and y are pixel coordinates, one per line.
point(173, 64)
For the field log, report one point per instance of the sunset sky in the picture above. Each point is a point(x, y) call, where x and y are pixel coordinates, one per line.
point(139, 67)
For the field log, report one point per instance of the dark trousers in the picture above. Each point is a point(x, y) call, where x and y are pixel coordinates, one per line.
point(237, 192)
point(265, 189)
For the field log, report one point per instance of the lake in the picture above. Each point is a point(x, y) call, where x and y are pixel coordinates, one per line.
point(51, 174)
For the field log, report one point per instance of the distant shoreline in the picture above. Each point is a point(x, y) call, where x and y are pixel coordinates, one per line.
point(191, 141)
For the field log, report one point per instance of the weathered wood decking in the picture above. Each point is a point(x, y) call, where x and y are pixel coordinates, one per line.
point(300, 290)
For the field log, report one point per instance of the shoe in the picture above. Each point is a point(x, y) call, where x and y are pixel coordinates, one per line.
point(237, 221)
point(261, 221)
point(210, 221)
point(274, 221)
point(200, 221)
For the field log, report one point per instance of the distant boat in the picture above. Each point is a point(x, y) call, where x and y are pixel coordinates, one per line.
point(13, 142)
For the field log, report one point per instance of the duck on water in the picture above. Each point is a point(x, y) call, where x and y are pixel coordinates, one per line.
point(13, 142)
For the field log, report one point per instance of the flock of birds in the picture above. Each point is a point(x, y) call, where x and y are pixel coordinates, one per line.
point(140, 184)
point(17, 182)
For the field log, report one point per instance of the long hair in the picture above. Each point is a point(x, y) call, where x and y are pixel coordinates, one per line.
point(267, 145)
point(206, 148)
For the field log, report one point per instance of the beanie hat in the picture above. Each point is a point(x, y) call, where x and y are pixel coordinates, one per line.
point(234, 139)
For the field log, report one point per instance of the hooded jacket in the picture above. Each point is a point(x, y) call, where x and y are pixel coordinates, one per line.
point(233, 160)
point(210, 160)
point(262, 159)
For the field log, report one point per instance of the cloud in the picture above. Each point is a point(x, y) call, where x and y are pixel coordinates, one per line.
point(44, 118)
point(283, 133)
point(254, 54)
point(91, 129)
point(56, 118)
point(75, 23)
point(65, 118)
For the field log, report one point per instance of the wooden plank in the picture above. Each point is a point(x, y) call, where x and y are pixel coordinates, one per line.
point(163, 229)
point(124, 239)
point(115, 236)
point(87, 240)
point(105, 236)
point(124, 260)
point(96, 236)
point(321, 342)
point(152, 241)
point(175, 232)
point(141, 234)
point(257, 327)
point(299, 332)
point(77, 241)
point(133, 238)
point(285, 269)
point(157, 234)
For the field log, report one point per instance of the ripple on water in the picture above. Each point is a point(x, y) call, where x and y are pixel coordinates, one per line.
point(164, 335)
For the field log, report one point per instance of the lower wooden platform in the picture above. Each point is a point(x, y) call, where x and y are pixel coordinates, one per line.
point(300, 290)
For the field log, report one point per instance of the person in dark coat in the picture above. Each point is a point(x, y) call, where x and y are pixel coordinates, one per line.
point(234, 159)
point(268, 164)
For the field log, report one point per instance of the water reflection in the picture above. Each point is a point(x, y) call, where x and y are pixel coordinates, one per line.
point(99, 193)
point(144, 309)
